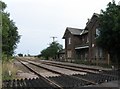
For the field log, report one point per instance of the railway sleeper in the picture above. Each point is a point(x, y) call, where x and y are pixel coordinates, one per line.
point(98, 78)
point(66, 81)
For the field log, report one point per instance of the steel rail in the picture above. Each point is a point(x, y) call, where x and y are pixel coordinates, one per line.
point(68, 67)
point(92, 82)
point(44, 78)
point(100, 74)
point(95, 69)
point(75, 69)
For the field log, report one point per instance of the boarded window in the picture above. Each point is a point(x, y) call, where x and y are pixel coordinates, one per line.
point(83, 38)
point(99, 53)
point(69, 53)
point(87, 40)
point(69, 40)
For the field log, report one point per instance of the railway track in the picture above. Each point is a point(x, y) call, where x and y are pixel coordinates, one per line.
point(112, 73)
point(67, 78)
point(57, 82)
point(95, 77)
point(75, 66)
point(62, 81)
point(53, 84)
point(71, 67)
point(35, 83)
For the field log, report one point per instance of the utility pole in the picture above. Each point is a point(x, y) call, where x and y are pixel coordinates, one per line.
point(53, 37)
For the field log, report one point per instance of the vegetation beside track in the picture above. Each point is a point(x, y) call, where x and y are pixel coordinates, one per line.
point(8, 69)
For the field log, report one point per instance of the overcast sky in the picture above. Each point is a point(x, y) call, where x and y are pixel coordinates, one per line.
point(39, 20)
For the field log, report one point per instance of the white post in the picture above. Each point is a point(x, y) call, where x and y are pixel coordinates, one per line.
point(9, 72)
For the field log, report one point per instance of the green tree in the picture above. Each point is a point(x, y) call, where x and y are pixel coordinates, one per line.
point(109, 38)
point(10, 36)
point(20, 55)
point(52, 50)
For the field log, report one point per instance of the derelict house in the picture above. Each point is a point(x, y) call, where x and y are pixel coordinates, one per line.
point(80, 44)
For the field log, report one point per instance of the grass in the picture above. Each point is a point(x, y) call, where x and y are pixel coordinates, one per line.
point(0, 74)
point(8, 69)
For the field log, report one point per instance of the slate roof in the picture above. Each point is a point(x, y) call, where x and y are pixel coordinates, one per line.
point(73, 31)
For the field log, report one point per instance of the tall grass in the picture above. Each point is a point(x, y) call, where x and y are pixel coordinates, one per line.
point(8, 69)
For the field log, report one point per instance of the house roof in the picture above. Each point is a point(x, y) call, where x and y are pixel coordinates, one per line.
point(73, 31)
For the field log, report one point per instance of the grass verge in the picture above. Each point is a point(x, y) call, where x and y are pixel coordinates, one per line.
point(8, 69)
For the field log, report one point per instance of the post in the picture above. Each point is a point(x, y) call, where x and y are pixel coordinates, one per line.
point(53, 38)
point(108, 59)
point(0, 45)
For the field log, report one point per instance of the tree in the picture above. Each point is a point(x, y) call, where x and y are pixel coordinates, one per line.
point(10, 36)
point(52, 50)
point(109, 37)
point(20, 55)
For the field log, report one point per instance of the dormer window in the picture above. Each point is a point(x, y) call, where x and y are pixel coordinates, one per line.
point(69, 40)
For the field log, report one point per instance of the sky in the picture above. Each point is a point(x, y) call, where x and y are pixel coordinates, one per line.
point(39, 20)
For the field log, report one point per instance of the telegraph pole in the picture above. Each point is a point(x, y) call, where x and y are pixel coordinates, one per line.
point(53, 37)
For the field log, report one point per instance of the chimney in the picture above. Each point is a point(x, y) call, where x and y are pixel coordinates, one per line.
point(88, 21)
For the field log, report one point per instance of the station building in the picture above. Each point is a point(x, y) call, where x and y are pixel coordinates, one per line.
point(80, 44)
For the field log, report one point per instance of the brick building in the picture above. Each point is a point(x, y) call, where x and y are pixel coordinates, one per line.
point(80, 44)
point(72, 38)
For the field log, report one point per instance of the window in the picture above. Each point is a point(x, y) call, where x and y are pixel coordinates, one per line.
point(69, 53)
point(99, 53)
point(86, 56)
point(96, 53)
point(97, 32)
point(69, 40)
